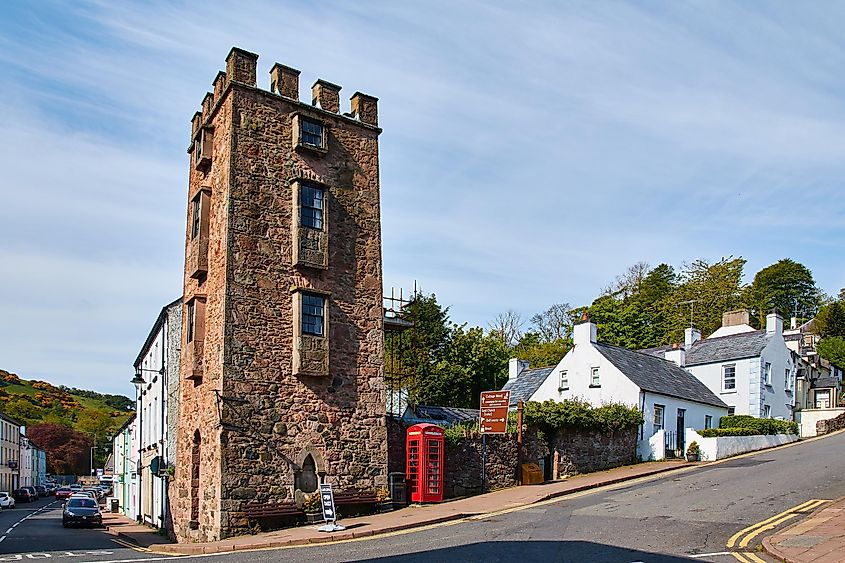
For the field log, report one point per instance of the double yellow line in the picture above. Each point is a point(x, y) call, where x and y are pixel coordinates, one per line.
point(742, 538)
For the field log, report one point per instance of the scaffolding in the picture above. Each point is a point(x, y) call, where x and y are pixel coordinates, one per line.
point(399, 377)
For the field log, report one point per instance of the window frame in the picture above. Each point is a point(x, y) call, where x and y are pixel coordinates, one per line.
point(191, 324)
point(321, 209)
point(196, 215)
point(767, 411)
point(725, 388)
point(563, 380)
point(304, 122)
point(767, 374)
point(654, 424)
point(305, 296)
point(595, 377)
point(788, 380)
point(708, 421)
point(731, 411)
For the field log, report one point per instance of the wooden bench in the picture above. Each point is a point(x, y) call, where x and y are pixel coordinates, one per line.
point(354, 497)
point(269, 510)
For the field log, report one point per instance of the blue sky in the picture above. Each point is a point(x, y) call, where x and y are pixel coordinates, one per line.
point(531, 151)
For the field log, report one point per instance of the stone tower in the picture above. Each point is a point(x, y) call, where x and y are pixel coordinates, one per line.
point(282, 342)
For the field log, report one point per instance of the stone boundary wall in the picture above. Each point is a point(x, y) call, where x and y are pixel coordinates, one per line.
point(576, 452)
point(588, 451)
point(830, 425)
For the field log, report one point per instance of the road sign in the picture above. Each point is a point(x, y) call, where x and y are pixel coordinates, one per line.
point(329, 513)
point(494, 412)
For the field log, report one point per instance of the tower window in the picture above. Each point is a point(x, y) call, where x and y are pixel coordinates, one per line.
point(312, 133)
point(311, 205)
point(195, 216)
point(192, 319)
point(313, 313)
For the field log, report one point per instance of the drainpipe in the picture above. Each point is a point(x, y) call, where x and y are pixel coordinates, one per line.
point(162, 428)
point(642, 410)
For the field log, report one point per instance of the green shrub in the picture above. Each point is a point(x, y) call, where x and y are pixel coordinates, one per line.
point(759, 425)
point(721, 432)
point(552, 417)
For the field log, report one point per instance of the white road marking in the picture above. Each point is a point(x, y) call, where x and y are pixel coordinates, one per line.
point(3, 538)
point(9, 531)
point(709, 554)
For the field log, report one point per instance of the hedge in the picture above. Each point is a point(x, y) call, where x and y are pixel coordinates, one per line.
point(758, 425)
point(719, 432)
point(551, 417)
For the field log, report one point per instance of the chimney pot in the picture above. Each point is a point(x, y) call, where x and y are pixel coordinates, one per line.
point(240, 66)
point(326, 95)
point(365, 108)
point(284, 81)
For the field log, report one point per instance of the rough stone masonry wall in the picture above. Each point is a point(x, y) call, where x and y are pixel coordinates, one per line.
point(584, 451)
point(830, 425)
point(273, 419)
point(198, 405)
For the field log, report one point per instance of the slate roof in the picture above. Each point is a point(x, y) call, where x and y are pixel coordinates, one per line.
point(526, 384)
point(449, 415)
point(656, 375)
point(726, 348)
point(823, 382)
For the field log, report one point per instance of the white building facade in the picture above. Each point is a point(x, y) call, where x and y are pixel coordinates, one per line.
point(124, 480)
point(752, 371)
point(670, 399)
point(157, 372)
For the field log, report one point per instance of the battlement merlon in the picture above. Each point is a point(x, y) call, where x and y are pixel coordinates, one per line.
point(241, 68)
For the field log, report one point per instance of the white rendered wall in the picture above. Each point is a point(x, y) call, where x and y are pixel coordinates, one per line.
point(728, 446)
point(808, 418)
point(152, 406)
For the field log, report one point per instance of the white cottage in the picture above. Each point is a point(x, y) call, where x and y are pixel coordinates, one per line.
point(752, 371)
point(670, 398)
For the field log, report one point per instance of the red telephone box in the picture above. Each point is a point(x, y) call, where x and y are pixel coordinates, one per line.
point(424, 462)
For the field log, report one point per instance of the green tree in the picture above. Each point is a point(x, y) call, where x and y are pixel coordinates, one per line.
point(538, 353)
point(832, 349)
point(472, 362)
point(705, 292)
point(830, 321)
point(786, 286)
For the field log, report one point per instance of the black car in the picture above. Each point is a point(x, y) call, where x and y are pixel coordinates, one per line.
point(33, 492)
point(24, 495)
point(83, 511)
point(42, 491)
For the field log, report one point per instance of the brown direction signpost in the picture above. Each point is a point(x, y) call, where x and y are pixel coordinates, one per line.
point(494, 412)
point(492, 419)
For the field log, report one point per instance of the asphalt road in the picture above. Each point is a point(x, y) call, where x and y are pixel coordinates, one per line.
point(687, 516)
point(34, 531)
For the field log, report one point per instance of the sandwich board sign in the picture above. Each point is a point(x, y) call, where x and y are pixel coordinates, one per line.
point(329, 512)
point(493, 416)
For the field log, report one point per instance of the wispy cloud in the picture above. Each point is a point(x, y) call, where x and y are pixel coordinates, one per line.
point(530, 150)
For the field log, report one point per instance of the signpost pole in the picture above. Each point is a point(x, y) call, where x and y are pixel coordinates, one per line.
point(483, 460)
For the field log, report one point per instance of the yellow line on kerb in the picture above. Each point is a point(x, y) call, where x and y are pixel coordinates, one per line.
point(769, 523)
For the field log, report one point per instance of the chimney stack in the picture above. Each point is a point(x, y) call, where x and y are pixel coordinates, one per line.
point(585, 331)
point(676, 355)
point(774, 323)
point(691, 336)
point(219, 85)
point(365, 108)
point(326, 95)
point(515, 367)
point(735, 318)
point(284, 81)
point(240, 66)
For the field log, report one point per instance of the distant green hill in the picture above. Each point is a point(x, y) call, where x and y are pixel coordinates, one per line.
point(36, 402)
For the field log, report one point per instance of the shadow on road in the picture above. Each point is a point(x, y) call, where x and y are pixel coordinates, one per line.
point(547, 551)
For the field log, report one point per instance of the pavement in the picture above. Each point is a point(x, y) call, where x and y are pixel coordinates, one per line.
point(416, 516)
point(820, 537)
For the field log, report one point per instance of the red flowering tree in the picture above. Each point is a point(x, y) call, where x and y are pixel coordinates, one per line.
point(68, 451)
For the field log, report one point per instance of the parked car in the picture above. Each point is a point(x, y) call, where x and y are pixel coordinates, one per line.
point(6, 500)
point(23, 495)
point(42, 491)
point(63, 493)
point(83, 511)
